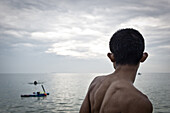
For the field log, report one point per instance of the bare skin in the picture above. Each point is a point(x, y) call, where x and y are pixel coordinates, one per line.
point(115, 93)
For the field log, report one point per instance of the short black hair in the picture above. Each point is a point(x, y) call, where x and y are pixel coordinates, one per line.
point(127, 45)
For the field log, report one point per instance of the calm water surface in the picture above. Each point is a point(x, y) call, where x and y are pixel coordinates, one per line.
point(67, 92)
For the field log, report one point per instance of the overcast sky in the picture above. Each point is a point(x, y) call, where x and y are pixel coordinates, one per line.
point(38, 36)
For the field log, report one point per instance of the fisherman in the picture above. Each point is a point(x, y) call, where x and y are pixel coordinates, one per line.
point(35, 83)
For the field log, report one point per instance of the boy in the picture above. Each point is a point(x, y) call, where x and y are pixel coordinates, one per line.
point(115, 93)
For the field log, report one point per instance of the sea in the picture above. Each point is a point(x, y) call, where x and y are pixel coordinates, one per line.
point(67, 91)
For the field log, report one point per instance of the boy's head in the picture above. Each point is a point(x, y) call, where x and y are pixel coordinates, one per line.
point(127, 46)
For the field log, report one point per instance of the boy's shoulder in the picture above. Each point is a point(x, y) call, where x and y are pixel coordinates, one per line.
point(130, 98)
point(99, 78)
point(97, 81)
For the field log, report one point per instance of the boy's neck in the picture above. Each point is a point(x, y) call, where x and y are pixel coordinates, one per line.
point(126, 72)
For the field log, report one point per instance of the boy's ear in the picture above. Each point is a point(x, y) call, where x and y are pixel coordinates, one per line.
point(111, 57)
point(144, 57)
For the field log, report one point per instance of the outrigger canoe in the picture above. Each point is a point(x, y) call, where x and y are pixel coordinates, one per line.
point(36, 95)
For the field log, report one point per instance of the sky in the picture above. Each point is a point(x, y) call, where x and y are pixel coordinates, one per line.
point(72, 36)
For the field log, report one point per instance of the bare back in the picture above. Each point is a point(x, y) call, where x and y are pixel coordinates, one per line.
point(109, 94)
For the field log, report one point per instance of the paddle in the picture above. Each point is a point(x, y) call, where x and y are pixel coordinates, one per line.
point(43, 88)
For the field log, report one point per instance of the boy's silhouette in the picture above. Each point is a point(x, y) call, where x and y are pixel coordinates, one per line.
point(115, 93)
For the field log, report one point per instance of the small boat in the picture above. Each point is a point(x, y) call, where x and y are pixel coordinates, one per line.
point(38, 94)
point(35, 83)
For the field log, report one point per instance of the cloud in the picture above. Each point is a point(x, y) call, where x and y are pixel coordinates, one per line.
point(81, 29)
point(79, 49)
point(23, 44)
point(54, 21)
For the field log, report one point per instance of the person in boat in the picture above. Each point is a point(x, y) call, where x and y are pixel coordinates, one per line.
point(35, 82)
point(115, 93)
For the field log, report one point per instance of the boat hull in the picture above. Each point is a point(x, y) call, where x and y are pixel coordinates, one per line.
point(36, 95)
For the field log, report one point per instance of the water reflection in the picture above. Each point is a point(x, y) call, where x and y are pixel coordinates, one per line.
point(36, 98)
point(67, 92)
